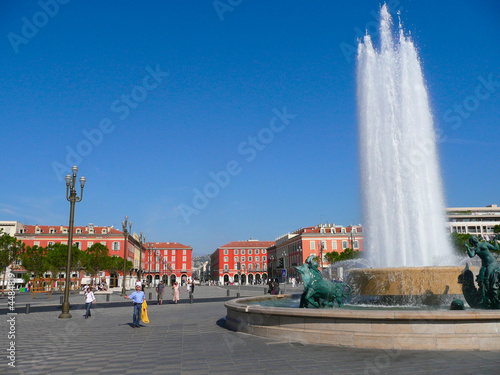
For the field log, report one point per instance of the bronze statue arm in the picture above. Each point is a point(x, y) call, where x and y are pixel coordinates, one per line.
point(470, 253)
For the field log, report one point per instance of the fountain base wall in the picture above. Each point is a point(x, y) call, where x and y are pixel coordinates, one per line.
point(373, 329)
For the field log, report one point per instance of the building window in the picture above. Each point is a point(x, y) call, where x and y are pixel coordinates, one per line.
point(264, 258)
point(173, 258)
point(51, 243)
point(52, 230)
point(226, 267)
point(354, 230)
point(78, 245)
point(36, 243)
point(226, 259)
point(342, 230)
point(183, 252)
point(242, 259)
point(356, 244)
point(334, 245)
point(249, 251)
point(323, 244)
point(38, 230)
point(242, 251)
point(257, 258)
point(313, 245)
point(65, 230)
point(256, 251)
point(89, 244)
point(249, 259)
point(116, 246)
point(322, 230)
point(236, 259)
point(104, 231)
point(263, 251)
point(78, 230)
point(345, 244)
point(173, 252)
point(226, 251)
point(236, 252)
point(103, 243)
point(184, 258)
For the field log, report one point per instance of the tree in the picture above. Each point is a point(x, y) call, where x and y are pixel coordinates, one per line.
point(496, 229)
point(348, 253)
point(57, 259)
point(34, 260)
point(10, 247)
point(457, 242)
point(114, 264)
point(95, 258)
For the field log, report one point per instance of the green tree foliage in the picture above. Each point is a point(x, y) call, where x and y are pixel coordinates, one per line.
point(457, 242)
point(496, 229)
point(34, 260)
point(10, 248)
point(96, 258)
point(348, 253)
point(114, 264)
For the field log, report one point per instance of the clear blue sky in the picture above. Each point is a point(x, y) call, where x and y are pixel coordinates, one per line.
point(221, 78)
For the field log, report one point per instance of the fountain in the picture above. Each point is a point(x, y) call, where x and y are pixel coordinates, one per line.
point(405, 237)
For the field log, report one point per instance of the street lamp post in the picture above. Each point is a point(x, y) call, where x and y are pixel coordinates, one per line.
point(72, 198)
point(141, 239)
point(125, 234)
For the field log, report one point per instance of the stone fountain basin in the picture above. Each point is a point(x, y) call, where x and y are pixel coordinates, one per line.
point(372, 329)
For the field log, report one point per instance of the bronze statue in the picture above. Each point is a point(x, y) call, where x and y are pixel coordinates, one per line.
point(319, 292)
point(487, 296)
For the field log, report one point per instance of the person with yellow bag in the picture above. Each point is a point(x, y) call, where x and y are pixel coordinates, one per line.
point(139, 298)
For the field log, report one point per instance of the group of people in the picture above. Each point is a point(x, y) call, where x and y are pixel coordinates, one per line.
point(274, 286)
point(176, 291)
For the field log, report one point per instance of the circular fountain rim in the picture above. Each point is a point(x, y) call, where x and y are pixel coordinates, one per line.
point(240, 305)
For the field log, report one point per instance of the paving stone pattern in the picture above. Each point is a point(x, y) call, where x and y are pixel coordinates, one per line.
point(192, 339)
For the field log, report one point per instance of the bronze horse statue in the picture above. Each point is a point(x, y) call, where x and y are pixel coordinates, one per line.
point(319, 292)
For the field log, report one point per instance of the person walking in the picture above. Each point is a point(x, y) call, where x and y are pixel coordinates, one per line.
point(89, 298)
point(176, 291)
point(191, 290)
point(160, 289)
point(138, 297)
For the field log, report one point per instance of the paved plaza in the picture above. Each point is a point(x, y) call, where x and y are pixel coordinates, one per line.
point(190, 339)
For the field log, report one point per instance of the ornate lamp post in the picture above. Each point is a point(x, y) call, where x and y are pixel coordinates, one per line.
point(142, 239)
point(125, 234)
point(72, 198)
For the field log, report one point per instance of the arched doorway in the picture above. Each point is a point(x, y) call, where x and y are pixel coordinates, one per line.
point(149, 279)
point(165, 279)
point(264, 278)
point(250, 279)
point(157, 279)
point(226, 279)
point(257, 278)
point(113, 280)
point(243, 279)
point(184, 279)
point(173, 279)
point(236, 279)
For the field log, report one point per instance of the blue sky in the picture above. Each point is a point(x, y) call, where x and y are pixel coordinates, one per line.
point(252, 105)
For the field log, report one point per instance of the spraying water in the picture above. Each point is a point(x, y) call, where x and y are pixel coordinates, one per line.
point(402, 191)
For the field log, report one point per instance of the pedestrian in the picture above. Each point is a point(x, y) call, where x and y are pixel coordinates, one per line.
point(176, 292)
point(276, 286)
point(160, 289)
point(270, 286)
point(89, 298)
point(293, 282)
point(138, 297)
point(191, 290)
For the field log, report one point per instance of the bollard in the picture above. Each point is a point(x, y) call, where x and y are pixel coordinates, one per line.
point(265, 290)
point(228, 292)
point(150, 295)
point(27, 308)
point(107, 297)
point(238, 295)
point(190, 297)
point(62, 299)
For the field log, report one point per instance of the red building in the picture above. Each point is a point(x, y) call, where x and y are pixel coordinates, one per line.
point(252, 257)
point(292, 249)
point(167, 261)
point(84, 237)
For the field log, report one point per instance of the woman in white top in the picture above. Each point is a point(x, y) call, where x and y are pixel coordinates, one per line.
point(89, 298)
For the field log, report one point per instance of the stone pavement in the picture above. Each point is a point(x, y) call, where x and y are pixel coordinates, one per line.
point(192, 339)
